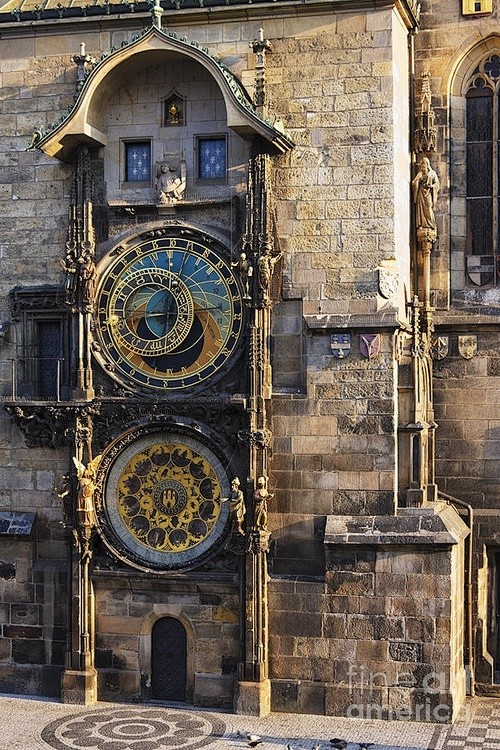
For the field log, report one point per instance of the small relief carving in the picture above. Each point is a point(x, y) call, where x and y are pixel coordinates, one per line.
point(340, 344)
point(467, 346)
point(440, 347)
point(170, 181)
point(388, 282)
point(369, 344)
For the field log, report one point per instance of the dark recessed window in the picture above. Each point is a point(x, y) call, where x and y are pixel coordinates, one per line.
point(483, 173)
point(212, 159)
point(41, 369)
point(50, 358)
point(138, 161)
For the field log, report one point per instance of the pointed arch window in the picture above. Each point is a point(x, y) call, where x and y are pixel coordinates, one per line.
point(482, 124)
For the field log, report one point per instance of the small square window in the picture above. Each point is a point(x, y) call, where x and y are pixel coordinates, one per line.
point(212, 160)
point(138, 161)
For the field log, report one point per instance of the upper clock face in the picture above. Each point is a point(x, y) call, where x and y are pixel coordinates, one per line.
point(169, 313)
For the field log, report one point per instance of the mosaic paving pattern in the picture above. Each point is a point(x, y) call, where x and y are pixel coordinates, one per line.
point(477, 727)
point(133, 728)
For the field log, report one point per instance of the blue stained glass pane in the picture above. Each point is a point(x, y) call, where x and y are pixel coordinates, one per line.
point(137, 162)
point(212, 158)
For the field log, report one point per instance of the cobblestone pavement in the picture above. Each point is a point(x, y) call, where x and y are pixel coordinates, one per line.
point(36, 724)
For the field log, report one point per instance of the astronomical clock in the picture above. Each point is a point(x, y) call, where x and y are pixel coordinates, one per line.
point(168, 324)
point(169, 314)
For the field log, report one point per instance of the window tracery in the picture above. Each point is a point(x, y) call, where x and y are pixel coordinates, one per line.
point(482, 154)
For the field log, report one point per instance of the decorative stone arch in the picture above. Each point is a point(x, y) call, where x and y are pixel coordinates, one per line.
point(145, 644)
point(467, 61)
point(458, 77)
point(84, 123)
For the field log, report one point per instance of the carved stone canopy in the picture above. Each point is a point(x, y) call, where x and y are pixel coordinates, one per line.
point(84, 122)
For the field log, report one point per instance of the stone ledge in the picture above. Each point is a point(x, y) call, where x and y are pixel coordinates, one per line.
point(324, 321)
point(436, 524)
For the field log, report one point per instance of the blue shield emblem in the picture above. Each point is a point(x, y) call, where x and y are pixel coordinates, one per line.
point(340, 344)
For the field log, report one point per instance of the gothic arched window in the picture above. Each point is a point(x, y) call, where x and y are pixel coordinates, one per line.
point(482, 133)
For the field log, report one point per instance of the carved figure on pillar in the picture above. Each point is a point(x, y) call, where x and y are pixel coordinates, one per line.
point(64, 494)
point(87, 281)
point(425, 194)
point(80, 282)
point(237, 505)
point(86, 487)
point(265, 267)
point(425, 188)
point(245, 270)
point(260, 498)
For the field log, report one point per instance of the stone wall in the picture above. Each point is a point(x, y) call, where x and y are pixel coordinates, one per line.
point(382, 635)
point(126, 614)
point(467, 397)
point(338, 82)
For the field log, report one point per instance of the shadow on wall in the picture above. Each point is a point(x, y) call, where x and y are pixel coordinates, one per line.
point(297, 549)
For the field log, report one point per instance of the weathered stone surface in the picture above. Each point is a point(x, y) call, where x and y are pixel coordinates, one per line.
point(408, 652)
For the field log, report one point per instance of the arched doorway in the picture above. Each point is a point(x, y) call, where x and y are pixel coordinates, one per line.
point(168, 660)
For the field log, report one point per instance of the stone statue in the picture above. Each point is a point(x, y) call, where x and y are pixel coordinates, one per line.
point(260, 498)
point(86, 486)
point(170, 181)
point(64, 494)
point(245, 270)
point(80, 281)
point(265, 267)
point(425, 193)
point(173, 114)
point(237, 505)
point(87, 282)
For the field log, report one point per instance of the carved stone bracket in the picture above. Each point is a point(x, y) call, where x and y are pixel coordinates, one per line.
point(257, 438)
point(259, 541)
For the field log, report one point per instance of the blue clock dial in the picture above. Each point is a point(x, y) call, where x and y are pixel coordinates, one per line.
point(169, 313)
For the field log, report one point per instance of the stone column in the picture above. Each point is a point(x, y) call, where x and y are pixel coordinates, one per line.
point(254, 691)
point(425, 239)
point(79, 680)
point(254, 688)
